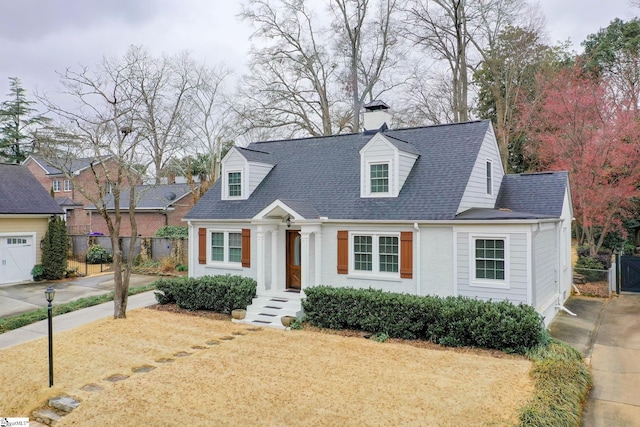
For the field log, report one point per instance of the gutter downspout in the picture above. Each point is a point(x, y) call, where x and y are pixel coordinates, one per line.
point(565, 309)
point(419, 263)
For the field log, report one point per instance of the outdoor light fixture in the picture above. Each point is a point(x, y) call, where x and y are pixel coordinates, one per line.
point(49, 294)
point(288, 221)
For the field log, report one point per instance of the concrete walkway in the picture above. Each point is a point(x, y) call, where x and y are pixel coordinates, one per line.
point(607, 333)
point(25, 297)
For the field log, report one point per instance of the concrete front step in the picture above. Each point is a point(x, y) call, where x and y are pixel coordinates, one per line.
point(268, 307)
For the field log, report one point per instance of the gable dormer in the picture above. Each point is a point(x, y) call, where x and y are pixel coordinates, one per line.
point(242, 171)
point(385, 164)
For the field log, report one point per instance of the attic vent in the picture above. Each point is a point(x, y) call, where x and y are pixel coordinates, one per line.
point(376, 116)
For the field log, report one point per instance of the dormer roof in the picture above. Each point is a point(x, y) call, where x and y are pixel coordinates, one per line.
point(324, 174)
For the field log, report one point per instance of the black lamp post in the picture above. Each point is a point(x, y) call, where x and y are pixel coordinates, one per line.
point(49, 293)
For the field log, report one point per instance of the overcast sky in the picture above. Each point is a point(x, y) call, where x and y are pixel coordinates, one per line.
point(40, 37)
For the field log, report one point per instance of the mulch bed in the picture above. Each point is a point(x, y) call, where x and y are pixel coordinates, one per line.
point(594, 289)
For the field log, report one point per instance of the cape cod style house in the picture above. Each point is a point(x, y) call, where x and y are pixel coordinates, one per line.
point(425, 211)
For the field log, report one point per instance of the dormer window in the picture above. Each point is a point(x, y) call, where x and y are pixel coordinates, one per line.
point(234, 181)
point(379, 177)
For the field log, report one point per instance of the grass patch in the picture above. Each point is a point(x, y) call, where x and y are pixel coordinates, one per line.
point(24, 319)
point(562, 383)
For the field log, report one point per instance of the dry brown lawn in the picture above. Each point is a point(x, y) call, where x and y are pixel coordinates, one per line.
point(228, 374)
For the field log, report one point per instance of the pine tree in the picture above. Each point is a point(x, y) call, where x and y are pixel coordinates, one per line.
point(54, 250)
point(17, 120)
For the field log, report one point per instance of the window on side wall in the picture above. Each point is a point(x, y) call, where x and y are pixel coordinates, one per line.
point(234, 182)
point(376, 254)
point(67, 185)
point(489, 178)
point(490, 261)
point(226, 247)
point(56, 186)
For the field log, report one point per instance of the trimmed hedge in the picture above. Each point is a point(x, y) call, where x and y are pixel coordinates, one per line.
point(215, 293)
point(450, 321)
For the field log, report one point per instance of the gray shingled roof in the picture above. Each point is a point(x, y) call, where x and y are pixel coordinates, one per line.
point(324, 174)
point(536, 193)
point(151, 197)
point(21, 193)
point(73, 165)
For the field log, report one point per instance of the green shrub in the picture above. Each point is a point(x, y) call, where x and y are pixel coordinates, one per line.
point(37, 272)
point(562, 380)
point(592, 269)
point(215, 293)
point(98, 255)
point(182, 267)
point(173, 231)
point(451, 321)
point(54, 250)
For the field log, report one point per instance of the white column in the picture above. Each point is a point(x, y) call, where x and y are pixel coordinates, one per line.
point(304, 258)
point(318, 260)
point(274, 259)
point(261, 260)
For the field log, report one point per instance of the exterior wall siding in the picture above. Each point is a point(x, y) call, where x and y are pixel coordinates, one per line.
point(475, 195)
point(257, 172)
point(405, 164)
point(544, 267)
point(436, 261)
point(518, 277)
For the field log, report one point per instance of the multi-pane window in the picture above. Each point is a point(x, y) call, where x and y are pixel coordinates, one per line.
point(67, 185)
point(16, 241)
point(56, 186)
point(376, 253)
point(388, 252)
point(217, 247)
point(490, 259)
point(379, 175)
point(489, 179)
point(226, 247)
point(362, 253)
point(235, 247)
point(235, 184)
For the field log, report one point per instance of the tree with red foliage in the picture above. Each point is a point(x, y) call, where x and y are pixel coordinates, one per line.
point(578, 126)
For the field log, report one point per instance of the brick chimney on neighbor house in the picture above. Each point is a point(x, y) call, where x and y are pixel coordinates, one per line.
point(376, 115)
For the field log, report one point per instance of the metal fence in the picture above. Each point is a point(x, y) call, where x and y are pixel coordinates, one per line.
point(156, 248)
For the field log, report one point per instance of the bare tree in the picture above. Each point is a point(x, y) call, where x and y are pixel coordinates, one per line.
point(311, 73)
point(101, 124)
point(163, 86)
point(367, 39)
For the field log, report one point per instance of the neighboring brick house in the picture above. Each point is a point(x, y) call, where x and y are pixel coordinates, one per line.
point(157, 206)
point(72, 201)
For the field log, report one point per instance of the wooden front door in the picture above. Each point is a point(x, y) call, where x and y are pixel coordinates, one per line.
point(294, 277)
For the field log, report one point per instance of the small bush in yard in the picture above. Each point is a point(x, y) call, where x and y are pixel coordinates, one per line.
point(98, 255)
point(591, 269)
point(216, 293)
point(451, 321)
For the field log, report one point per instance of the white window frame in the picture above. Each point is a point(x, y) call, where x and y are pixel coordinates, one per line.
point(375, 256)
point(56, 186)
point(226, 182)
point(225, 262)
point(67, 185)
point(488, 174)
point(390, 175)
point(489, 283)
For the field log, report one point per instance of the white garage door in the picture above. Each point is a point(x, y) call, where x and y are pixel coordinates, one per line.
point(17, 258)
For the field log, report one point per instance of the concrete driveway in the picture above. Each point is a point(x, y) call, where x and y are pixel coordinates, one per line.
point(24, 297)
point(607, 332)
